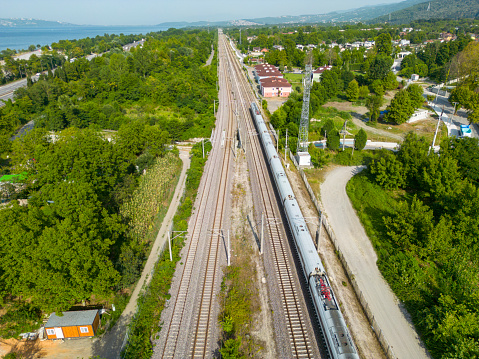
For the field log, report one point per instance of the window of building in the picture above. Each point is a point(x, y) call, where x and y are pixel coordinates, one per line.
point(83, 329)
point(50, 331)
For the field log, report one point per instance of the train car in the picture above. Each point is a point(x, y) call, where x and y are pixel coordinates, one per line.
point(335, 331)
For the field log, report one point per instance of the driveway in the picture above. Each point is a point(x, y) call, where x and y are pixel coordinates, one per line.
point(361, 257)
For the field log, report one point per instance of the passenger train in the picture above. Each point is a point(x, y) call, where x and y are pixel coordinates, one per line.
point(335, 331)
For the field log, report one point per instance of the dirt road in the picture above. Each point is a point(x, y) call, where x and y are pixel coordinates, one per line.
point(359, 253)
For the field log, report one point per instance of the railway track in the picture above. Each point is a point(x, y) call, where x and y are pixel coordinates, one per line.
point(198, 281)
point(299, 335)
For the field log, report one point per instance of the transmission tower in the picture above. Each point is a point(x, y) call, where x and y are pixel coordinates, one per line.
point(304, 124)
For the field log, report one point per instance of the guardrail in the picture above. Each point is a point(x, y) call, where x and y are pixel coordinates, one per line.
point(362, 300)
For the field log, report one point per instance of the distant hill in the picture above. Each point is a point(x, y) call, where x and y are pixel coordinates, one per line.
point(362, 14)
point(437, 9)
point(32, 23)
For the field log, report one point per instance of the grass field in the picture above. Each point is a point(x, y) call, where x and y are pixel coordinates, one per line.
point(295, 80)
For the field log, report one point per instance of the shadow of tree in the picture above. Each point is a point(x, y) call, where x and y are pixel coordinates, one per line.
point(27, 349)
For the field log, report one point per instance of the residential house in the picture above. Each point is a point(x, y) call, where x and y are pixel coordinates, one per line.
point(275, 87)
point(319, 71)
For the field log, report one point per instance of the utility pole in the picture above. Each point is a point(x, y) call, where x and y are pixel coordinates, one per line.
point(455, 103)
point(286, 147)
point(318, 231)
point(435, 133)
point(262, 233)
point(229, 248)
point(203, 146)
point(277, 142)
point(169, 246)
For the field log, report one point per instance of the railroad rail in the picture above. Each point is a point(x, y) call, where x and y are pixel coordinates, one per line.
point(300, 343)
point(198, 281)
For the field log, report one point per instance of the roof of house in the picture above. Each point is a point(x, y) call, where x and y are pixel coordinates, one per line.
point(274, 82)
point(321, 69)
point(84, 317)
point(267, 70)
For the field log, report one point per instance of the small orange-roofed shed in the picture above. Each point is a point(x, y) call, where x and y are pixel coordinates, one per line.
point(75, 324)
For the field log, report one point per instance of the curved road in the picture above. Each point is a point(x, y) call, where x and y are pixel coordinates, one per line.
point(361, 257)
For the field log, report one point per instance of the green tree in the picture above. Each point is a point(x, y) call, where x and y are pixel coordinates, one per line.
point(363, 91)
point(415, 95)
point(461, 95)
point(383, 44)
point(409, 228)
point(390, 82)
point(333, 140)
point(388, 172)
point(373, 104)
point(400, 109)
point(413, 154)
point(352, 92)
point(360, 139)
point(379, 67)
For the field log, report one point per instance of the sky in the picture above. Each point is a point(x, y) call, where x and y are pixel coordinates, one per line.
point(152, 12)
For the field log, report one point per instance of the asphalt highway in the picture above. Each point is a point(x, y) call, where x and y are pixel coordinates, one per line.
point(6, 91)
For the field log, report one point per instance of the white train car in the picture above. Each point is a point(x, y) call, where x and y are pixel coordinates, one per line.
point(335, 331)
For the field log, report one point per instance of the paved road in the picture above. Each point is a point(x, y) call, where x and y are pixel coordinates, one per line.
point(359, 253)
point(109, 346)
point(458, 119)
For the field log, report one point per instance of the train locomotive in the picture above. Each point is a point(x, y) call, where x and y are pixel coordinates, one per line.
point(335, 331)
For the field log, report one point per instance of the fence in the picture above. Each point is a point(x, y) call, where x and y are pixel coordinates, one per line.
point(362, 300)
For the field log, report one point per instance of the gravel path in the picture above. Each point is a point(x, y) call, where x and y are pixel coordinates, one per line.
point(358, 251)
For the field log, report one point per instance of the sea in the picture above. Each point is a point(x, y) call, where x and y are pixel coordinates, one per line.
point(21, 37)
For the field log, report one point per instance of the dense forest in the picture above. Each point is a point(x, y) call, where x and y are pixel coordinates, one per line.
point(420, 211)
point(82, 237)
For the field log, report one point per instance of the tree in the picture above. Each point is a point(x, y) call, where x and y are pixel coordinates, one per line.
point(467, 64)
point(466, 152)
point(462, 95)
point(377, 87)
point(333, 140)
point(383, 44)
point(373, 104)
point(413, 154)
point(415, 95)
point(400, 109)
point(352, 92)
point(360, 139)
point(390, 82)
point(363, 91)
point(388, 172)
point(379, 67)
